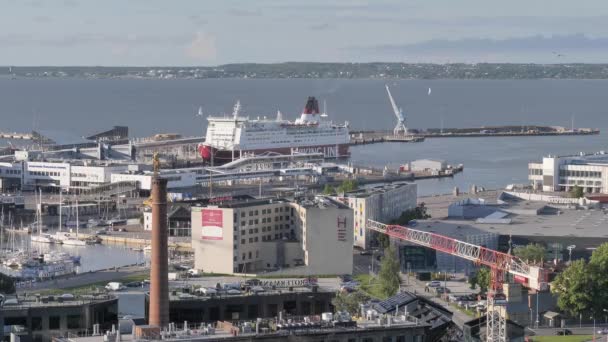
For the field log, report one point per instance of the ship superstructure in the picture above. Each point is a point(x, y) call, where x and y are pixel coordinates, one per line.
point(228, 138)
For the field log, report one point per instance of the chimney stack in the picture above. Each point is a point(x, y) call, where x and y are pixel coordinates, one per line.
point(159, 281)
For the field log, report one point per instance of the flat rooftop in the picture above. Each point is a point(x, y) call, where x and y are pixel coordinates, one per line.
point(11, 303)
point(376, 189)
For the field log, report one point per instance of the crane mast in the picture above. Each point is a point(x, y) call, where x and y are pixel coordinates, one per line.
point(400, 128)
point(499, 263)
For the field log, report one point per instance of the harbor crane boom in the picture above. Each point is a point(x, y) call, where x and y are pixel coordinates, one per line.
point(400, 127)
point(499, 263)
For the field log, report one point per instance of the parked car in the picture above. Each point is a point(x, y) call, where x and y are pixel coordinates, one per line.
point(434, 283)
point(66, 296)
point(233, 292)
point(603, 331)
point(345, 278)
point(134, 284)
point(563, 332)
point(365, 252)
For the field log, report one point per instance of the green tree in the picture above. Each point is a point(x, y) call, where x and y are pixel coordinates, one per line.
point(350, 302)
point(383, 240)
point(347, 186)
point(576, 192)
point(583, 287)
point(329, 190)
point(418, 213)
point(389, 273)
point(473, 281)
point(531, 252)
point(574, 288)
point(483, 279)
point(598, 272)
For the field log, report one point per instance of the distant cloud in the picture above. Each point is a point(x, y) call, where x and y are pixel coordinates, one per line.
point(549, 47)
point(197, 20)
point(87, 39)
point(553, 43)
point(321, 27)
point(240, 12)
point(202, 48)
point(43, 19)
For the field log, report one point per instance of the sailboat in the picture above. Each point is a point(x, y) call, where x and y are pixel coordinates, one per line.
point(41, 238)
point(75, 241)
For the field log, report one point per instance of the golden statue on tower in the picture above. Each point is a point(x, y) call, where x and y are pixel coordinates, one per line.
point(156, 163)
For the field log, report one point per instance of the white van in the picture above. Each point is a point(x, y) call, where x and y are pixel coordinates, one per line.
point(115, 286)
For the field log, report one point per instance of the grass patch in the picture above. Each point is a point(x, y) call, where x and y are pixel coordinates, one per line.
point(570, 338)
point(370, 285)
point(468, 312)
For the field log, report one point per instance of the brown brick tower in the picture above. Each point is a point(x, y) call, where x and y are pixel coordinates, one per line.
point(159, 280)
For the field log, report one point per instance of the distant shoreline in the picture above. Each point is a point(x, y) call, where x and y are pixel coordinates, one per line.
point(302, 70)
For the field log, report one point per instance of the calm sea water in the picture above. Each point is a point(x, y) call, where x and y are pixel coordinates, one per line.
point(152, 106)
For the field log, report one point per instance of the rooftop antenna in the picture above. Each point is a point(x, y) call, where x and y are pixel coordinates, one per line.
point(572, 122)
point(324, 115)
point(400, 127)
point(236, 109)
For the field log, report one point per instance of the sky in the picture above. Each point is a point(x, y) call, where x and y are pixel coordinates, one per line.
point(214, 32)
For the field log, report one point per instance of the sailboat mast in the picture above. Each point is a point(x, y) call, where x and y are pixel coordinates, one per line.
point(77, 221)
point(60, 207)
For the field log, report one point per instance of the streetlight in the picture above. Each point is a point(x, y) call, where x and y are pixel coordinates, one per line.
point(570, 248)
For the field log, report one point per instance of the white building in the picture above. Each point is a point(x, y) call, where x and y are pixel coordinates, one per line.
point(67, 175)
point(561, 173)
point(427, 165)
point(299, 238)
point(381, 203)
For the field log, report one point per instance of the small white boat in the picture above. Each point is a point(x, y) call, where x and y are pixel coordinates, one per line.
point(42, 238)
point(74, 242)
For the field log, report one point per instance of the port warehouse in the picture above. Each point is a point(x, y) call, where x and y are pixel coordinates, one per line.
point(78, 175)
point(36, 318)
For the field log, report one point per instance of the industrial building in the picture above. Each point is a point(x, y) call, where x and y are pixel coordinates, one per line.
point(198, 309)
point(561, 173)
point(380, 203)
point(291, 316)
point(306, 236)
point(38, 318)
point(519, 221)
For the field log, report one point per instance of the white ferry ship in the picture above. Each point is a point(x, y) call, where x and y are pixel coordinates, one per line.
point(229, 138)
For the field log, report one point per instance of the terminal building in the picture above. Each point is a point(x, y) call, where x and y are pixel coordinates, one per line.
point(379, 203)
point(302, 237)
point(562, 173)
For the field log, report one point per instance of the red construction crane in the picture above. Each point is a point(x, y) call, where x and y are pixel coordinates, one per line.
point(533, 277)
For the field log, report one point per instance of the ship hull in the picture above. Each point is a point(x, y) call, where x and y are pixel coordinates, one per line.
point(209, 153)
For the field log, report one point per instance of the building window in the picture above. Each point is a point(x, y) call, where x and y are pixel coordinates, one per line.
point(249, 255)
point(54, 322)
point(36, 323)
point(244, 256)
point(250, 240)
point(243, 232)
point(243, 214)
point(255, 239)
point(243, 223)
point(242, 241)
point(250, 212)
point(73, 321)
